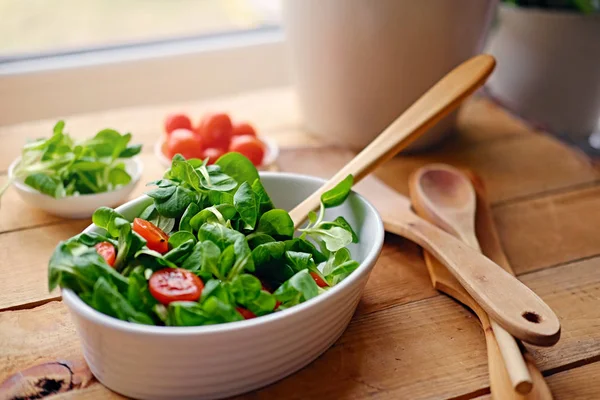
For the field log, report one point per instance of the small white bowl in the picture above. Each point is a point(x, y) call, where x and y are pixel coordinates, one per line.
point(216, 361)
point(81, 206)
point(271, 153)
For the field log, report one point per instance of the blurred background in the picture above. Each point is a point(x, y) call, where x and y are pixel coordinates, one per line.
point(355, 64)
point(33, 27)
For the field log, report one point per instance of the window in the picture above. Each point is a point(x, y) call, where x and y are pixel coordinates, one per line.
point(64, 57)
point(33, 27)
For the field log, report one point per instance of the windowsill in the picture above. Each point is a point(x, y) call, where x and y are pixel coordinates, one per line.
point(146, 74)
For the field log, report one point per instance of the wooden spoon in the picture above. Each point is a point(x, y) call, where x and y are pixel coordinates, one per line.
point(436, 103)
point(444, 196)
point(508, 301)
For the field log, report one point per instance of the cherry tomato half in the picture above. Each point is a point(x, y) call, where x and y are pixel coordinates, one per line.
point(242, 129)
point(177, 121)
point(212, 154)
point(249, 146)
point(175, 284)
point(318, 280)
point(184, 142)
point(107, 251)
point(247, 314)
point(156, 239)
point(215, 130)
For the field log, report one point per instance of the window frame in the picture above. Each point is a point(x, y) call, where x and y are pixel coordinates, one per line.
point(167, 71)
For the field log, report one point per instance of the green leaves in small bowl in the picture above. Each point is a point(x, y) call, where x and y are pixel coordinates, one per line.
point(60, 166)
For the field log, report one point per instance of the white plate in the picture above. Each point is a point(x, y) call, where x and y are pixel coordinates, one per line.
point(271, 153)
point(81, 206)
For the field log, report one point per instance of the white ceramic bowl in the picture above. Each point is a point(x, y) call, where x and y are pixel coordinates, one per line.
point(271, 153)
point(82, 206)
point(208, 362)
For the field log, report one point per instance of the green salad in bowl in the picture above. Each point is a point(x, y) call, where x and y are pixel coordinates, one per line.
point(210, 248)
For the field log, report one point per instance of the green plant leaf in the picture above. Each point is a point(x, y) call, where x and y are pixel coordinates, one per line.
point(342, 223)
point(245, 288)
point(238, 167)
point(276, 223)
point(190, 211)
point(297, 289)
point(45, 184)
point(268, 252)
point(179, 238)
point(263, 199)
point(109, 301)
point(336, 196)
point(299, 261)
point(246, 204)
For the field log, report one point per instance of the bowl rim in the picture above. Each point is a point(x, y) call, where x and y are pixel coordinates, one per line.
point(79, 307)
point(20, 185)
point(270, 158)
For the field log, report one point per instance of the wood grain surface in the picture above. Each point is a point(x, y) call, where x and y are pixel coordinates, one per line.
point(406, 340)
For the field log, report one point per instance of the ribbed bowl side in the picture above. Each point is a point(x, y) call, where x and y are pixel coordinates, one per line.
point(214, 364)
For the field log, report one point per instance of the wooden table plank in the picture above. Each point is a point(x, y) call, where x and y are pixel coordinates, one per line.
point(437, 340)
point(14, 214)
point(511, 169)
point(24, 259)
point(576, 384)
point(551, 230)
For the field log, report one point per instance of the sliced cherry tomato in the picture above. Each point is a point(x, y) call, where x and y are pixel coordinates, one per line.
point(177, 121)
point(215, 130)
point(242, 129)
point(319, 281)
point(247, 314)
point(184, 142)
point(212, 154)
point(156, 239)
point(175, 284)
point(249, 146)
point(107, 251)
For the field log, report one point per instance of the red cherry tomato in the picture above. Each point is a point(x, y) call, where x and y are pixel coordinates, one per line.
point(107, 251)
point(242, 129)
point(249, 146)
point(319, 281)
point(247, 314)
point(184, 142)
point(156, 239)
point(177, 121)
point(175, 284)
point(212, 154)
point(215, 130)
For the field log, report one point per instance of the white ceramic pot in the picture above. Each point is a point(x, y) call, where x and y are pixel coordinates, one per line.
point(208, 362)
point(548, 67)
point(359, 64)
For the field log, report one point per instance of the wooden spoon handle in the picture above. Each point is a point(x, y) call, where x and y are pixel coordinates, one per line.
point(436, 103)
point(509, 302)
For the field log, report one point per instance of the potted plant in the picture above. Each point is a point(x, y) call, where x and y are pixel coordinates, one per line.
point(548, 71)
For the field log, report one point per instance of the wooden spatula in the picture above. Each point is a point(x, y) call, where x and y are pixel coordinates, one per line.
point(500, 294)
point(445, 196)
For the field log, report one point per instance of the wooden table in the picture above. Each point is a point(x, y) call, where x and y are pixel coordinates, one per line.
point(406, 340)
